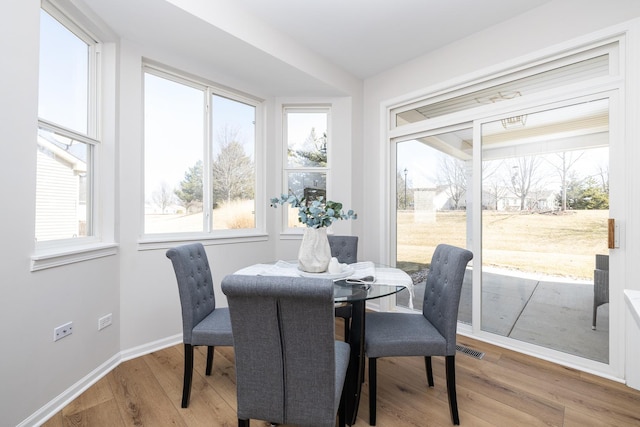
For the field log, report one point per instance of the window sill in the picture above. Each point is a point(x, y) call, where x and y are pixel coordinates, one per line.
point(56, 257)
point(166, 242)
point(292, 234)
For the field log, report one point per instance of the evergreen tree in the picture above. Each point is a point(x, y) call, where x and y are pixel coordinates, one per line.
point(586, 194)
point(189, 190)
point(314, 152)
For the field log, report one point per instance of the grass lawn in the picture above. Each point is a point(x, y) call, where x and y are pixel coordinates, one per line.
point(561, 245)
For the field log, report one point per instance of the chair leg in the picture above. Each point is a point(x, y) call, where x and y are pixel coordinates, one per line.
point(209, 359)
point(451, 388)
point(188, 374)
point(595, 314)
point(346, 329)
point(428, 368)
point(243, 423)
point(372, 391)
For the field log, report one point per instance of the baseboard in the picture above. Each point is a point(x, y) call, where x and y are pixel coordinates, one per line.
point(141, 350)
point(63, 399)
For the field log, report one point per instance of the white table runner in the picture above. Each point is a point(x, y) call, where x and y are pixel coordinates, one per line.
point(382, 275)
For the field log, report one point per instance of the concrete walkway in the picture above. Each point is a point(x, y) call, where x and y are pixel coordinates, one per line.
point(551, 314)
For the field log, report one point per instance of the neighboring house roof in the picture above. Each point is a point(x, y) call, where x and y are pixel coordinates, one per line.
point(48, 143)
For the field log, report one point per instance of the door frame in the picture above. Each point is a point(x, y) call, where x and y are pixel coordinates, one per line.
point(617, 190)
point(611, 88)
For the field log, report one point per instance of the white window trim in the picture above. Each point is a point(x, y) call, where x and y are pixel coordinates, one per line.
point(296, 232)
point(258, 233)
point(54, 253)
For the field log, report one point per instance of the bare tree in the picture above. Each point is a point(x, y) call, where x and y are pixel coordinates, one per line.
point(163, 196)
point(524, 177)
point(233, 174)
point(453, 175)
point(493, 182)
point(603, 173)
point(226, 134)
point(232, 169)
point(563, 163)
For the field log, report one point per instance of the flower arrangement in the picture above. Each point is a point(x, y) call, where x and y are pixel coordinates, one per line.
point(315, 214)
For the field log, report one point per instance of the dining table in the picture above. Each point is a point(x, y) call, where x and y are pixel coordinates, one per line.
point(354, 284)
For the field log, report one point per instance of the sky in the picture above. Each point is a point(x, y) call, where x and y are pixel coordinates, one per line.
point(63, 77)
point(175, 126)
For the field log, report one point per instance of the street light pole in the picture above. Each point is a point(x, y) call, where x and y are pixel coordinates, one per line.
point(405, 188)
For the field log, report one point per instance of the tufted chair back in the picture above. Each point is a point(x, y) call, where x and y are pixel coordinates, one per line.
point(194, 284)
point(345, 248)
point(442, 291)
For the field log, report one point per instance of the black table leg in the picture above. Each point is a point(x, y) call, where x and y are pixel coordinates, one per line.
point(353, 383)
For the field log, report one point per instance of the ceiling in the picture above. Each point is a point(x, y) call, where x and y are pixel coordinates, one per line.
point(361, 37)
point(367, 37)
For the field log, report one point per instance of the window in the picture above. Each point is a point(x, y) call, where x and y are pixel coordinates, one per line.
point(306, 159)
point(200, 151)
point(67, 130)
point(556, 74)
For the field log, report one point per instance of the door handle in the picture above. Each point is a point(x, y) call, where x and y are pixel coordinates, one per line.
point(611, 235)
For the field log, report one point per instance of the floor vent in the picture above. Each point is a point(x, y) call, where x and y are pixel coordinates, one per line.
point(470, 352)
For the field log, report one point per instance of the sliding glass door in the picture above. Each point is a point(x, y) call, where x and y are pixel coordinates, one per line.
point(545, 205)
point(433, 178)
point(543, 215)
point(516, 168)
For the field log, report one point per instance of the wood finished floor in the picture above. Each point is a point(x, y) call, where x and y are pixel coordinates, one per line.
point(505, 388)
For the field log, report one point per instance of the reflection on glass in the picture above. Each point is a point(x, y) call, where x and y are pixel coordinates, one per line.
point(545, 204)
point(500, 90)
point(297, 183)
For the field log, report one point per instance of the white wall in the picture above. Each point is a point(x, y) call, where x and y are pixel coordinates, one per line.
point(34, 369)
point(150, 309)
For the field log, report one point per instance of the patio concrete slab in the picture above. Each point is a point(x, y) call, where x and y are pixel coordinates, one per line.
point(558, 316)
point(554, 315)
point(503, 299)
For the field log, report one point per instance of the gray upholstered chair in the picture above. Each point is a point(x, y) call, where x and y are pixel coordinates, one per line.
point(431, 334)
point(600, 285)
point(289, 367)
point(345, 248)
point(202, 322)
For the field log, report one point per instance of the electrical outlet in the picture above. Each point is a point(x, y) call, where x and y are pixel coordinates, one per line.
point(62, 331)
point(105, 321)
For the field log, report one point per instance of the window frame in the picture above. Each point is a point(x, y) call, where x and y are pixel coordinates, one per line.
point(208, 234)
point(287, 170)
point(607, 85)
point(102, 74)
point(91, 139)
